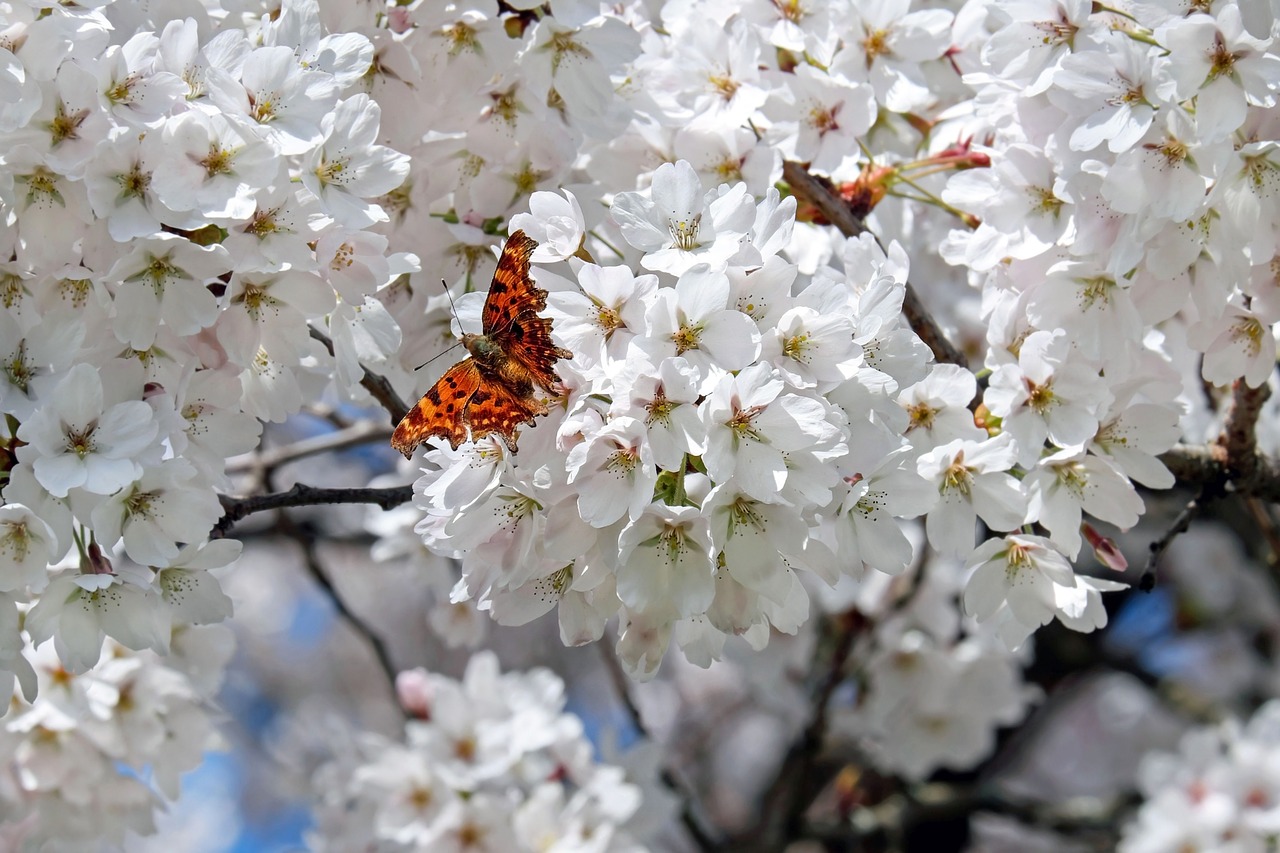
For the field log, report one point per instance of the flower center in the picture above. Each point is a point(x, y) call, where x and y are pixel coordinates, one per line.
point(622, 461)
point(660, 408)
point(875, 44)
point(140, 504)
point(1039, 397)
point(1056, 32)
point(16, 540)
point(741, 423)
point(1043, 199)
point(18, 369)
point(122, 92)
point(797, 347)
point(66, 125)
point(684, 232)
point(81, 443)
point(608, 319)
point(134, 183)
point(922, 415)
point(563, 45)
point(218, 161)
point(686, 338)
point(823, 119)
point(159, 271)
point(75, 290)
point(1174, 151)
point(1097, 289)
point(723, 84)
point(263, 224)
point(1250, 331)
point(460, 37)
point(255, 298)
point(957, 477)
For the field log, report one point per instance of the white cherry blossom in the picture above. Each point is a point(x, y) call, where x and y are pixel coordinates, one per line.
point(81, 440)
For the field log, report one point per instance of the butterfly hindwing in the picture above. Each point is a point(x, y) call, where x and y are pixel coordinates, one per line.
point(528, 342)
point(441, 411)
point(494, 408)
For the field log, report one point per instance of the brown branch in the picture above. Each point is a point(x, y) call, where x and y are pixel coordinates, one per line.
point(797, 782)
point(1201, 465)
point(819, 192)
point(1237, 446)
point(1181, 523)
point(376, 385)
point(1231, 462)
point(234, 509)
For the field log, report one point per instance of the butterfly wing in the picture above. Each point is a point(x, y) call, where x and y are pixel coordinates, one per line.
point(441, 411)
point(495, 408)
point(512, 290)
point(511, 314)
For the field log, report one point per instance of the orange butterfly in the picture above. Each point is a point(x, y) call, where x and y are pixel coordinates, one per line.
point(493, 390)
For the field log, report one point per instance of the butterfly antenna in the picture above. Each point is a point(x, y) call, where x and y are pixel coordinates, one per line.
point(452, 309)
point(437, 355)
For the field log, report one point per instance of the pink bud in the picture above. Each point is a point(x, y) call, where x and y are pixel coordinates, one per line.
point(1104, 549)
point(413, 689)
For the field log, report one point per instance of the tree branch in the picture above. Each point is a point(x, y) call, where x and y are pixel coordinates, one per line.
point(796, 783)
point(355, 434)
point(1200, 465)
point(311, 558)
point(1157, 548)
point(1237, 446)
point(234, 509)
point(688, 806)
point(819, 192)
point(376, 385)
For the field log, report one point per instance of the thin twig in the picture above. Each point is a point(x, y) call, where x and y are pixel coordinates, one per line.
point(376, 385)
point(796, 783)
point(1267, 525)
point(1181, 523)
point(234, 509)
point(361, 432)
point(306, 542)
point(819, 192)
point(941, 803)
point(688, 810)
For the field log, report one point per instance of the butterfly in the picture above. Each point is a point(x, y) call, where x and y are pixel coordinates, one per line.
point(493, 390)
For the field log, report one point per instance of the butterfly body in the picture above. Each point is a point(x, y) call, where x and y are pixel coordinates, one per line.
point(493, 391)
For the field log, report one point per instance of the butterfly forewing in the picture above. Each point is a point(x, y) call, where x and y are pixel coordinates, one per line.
point(441, 411)
point(512, 291)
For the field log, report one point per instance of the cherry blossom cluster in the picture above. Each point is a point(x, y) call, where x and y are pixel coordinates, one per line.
point(937, 687)
point(182, 204)
point(491, 762)
point(1217, 793)
point(182, 197)
point(87, 759)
